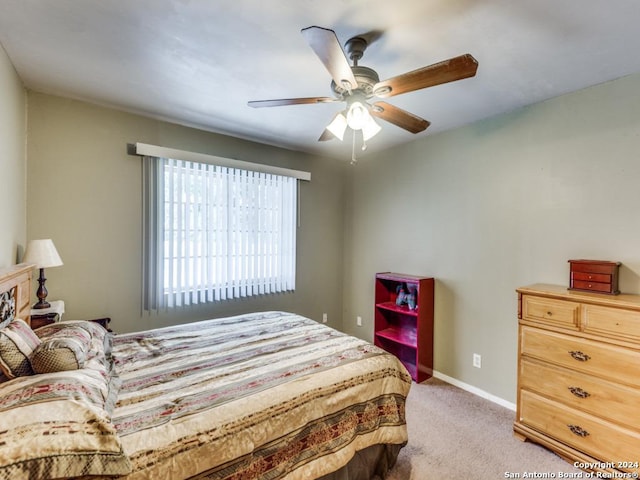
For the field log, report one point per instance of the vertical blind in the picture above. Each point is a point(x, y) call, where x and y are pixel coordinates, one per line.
point(214, 233)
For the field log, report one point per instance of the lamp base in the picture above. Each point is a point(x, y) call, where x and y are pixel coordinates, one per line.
point(42, 292)
point(41, 304)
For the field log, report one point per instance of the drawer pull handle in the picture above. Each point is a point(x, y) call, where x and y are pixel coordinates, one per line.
point(578, 392)
point(581, 432)
point(580, 356)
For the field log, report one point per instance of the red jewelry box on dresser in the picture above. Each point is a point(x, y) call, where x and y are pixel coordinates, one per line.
point(594, 276)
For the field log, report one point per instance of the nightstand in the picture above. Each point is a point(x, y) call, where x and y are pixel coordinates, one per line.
point(44, 316)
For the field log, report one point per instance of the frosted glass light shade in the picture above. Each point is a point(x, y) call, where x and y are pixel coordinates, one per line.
point(370, 128)
point(357, 116)
point(338, 126)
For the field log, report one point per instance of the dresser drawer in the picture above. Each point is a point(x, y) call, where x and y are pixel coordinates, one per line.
point(551, 312)
point(613, 322)
point(608, 400)
point(603, 440)
point(601, 359)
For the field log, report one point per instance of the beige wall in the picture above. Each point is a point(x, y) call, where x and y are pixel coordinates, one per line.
point(84, 192)
point(484, 209)
point(498, 204)
point(12, 163)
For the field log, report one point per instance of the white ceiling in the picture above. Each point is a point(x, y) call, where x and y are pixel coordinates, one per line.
point(198, 62)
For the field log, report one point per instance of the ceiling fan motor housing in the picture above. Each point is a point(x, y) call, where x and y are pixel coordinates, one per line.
point(366, 77)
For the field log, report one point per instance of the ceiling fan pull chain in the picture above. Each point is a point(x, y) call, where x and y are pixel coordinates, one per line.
point(353, 147)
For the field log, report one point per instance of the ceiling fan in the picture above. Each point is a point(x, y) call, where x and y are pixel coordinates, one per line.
point(356, 85)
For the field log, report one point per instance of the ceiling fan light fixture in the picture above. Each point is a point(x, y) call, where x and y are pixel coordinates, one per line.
point(357, 116)
point(338, 126)
point(370, 129)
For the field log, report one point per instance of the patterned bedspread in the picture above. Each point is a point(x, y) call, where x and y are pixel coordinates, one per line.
point(258, 396)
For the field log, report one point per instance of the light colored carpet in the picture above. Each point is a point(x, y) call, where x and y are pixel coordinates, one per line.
point(456, 434)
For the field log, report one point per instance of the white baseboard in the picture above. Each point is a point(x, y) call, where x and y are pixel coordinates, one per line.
point(474, 390)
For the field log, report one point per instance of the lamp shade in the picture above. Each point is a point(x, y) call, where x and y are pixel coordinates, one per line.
point(357, 116)
point(370, 128)
point(42, 253)
point(338, 125)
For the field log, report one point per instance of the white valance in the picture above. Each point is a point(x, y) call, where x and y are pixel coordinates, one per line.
point(164, 152)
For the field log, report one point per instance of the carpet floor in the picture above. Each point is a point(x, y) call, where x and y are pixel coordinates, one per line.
point(456, 434)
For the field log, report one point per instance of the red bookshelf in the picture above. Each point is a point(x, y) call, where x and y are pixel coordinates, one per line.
point(406, 330)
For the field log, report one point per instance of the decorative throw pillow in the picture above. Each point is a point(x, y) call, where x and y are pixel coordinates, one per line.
point(65, 349)
point(98, 353)
point(17, 343)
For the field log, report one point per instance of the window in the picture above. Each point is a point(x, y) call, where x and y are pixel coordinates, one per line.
point(215, 232)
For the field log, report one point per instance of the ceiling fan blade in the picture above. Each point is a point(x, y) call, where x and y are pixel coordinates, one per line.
point(456, 68)
point(399, 117)
point(325, 44)
point(290, 101)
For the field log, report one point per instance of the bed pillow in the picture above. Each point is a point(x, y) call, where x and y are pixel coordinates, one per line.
point(101, 339)
point(97, 353)
point(66, 349)
point(58, 424)
point(55, 425)
point(17, 343)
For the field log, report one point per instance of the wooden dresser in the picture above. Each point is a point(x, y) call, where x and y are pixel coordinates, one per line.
point(579, 376)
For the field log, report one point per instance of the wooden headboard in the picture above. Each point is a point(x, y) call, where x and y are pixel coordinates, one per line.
point(18, 276)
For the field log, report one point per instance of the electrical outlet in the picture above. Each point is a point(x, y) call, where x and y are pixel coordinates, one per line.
point(359, 321)
point(324, 318)
point(477, 360)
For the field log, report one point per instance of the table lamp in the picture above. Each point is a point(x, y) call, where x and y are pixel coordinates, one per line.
point(42, 254)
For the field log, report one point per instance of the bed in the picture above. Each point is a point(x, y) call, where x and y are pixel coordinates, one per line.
point(266, 395)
